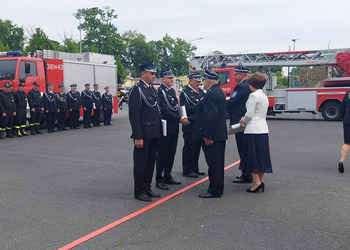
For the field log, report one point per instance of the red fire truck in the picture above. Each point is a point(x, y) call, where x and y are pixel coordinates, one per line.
point(45, 66)
point(326, 100)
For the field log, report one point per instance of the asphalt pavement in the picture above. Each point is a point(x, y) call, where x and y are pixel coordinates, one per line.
point(56, 188)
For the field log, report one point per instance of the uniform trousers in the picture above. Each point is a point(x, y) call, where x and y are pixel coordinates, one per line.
point(7, 121)
point(20, 118)
point(107, 114)
point(61, 119)
point(165, 157)
point(74, 118)
point(144, 159)
point(215, 158)
point(239, 142)
point(96, 117)
point(87, 117)
point(190, 155)
point(51, 119)
point(35, 117)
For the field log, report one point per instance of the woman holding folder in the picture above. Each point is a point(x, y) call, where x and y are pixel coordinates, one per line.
point(256, 153)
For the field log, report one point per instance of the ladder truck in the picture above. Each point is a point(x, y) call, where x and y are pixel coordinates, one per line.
point(326, 99)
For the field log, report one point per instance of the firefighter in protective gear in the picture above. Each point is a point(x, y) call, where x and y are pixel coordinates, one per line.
point(36, 107)
point(8, 112)
point(21, 116)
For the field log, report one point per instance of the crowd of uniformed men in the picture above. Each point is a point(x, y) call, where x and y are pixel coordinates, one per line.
point(13, 108)
point(204, 126)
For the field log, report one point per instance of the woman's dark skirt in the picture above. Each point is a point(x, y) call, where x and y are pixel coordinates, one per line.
point(346, 128)
point(256, 153)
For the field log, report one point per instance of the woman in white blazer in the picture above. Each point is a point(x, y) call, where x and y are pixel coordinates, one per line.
point(256, 152)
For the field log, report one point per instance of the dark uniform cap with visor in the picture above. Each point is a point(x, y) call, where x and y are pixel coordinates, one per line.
point(7, 85)
point(195, 76)
point(50, 84)
point(107, 87)
point(36, 84)
point(148, 67)
point(208, 74)
point(21, 84)
point(241, 69)
point(87, 85)
point(61, 86)
point(167, 73)
point(95, 85)
point(73, 85)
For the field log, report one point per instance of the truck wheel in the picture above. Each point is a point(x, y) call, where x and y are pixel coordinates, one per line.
point(331, 111)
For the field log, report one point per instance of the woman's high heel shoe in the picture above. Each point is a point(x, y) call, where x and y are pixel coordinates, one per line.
point(261, 186)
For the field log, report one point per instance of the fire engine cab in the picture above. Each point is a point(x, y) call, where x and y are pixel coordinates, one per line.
point(326, 100)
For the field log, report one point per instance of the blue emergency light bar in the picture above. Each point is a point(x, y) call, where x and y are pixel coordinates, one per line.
point(11, 53)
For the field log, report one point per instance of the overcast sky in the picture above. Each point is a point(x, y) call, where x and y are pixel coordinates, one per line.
point(229, 26)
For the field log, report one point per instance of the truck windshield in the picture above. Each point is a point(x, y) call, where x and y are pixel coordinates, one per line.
point(8, 69)
point(224, 77)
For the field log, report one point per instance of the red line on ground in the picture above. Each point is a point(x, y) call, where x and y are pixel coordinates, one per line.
point(134, 214)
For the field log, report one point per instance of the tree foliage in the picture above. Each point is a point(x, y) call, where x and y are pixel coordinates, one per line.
point(39, 41)
point(101, 35)
point(11, 36)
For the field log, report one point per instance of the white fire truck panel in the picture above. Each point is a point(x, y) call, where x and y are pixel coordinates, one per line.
point(301, 100)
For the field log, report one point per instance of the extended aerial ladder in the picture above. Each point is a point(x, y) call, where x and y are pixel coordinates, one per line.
point(325, 100)
point(338, 57)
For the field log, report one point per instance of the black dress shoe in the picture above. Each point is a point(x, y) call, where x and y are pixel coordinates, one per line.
point(172, 181)
point(153, 194)
point(191, 175)
point(209, 195)
point(143, 197)
point(341, 167)
point(261, 186)
point(241, 180)
point(199, 173)
point(161, 185)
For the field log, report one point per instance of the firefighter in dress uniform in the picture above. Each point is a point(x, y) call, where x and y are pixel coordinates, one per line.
point(145, 121)
point(210, 128)
point(189, 98)
point(169, 107)
point(96, 98)
point(107, 106)
point(237, 109)
point(73, 103)
point(51, 108)
point(8, 112)
point(21, 108)
point(87, 103)
point(63, 107)
point(36, 107)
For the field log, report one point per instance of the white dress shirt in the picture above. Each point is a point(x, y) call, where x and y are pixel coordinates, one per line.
point(255, 117)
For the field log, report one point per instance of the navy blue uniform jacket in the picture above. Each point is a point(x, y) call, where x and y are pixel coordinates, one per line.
point(171, 116)
point(236, 104)
point(144, 114)
point(211, 116)
point(190, 99)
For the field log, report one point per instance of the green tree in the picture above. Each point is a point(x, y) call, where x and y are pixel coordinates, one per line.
point(173, 53)
point(101, 35)
point(69, 45)
point(11, 36)
point(40, 41)
point(127, 39)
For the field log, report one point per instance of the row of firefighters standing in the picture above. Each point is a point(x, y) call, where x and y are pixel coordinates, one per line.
point(13, 107)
